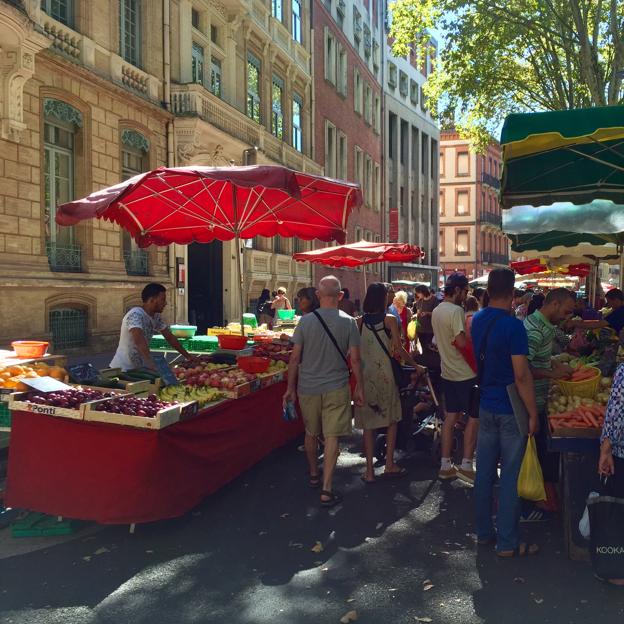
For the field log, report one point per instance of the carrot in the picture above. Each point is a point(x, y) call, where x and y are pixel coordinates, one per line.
point(593, 420)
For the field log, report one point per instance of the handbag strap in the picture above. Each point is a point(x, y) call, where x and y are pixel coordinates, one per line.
point(332, 338)
point(379, 340)
point(481, 360)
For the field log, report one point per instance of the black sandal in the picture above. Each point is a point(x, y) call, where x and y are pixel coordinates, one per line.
point(315, 481)
point(333, 498)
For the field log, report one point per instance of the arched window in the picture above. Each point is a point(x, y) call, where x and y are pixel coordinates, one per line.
point(134, 160)
point(61, 121)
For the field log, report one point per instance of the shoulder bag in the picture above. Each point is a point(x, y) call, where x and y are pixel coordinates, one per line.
point(333, 339)
point(397, 369)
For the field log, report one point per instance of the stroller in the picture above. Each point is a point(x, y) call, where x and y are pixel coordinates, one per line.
point(417, 431)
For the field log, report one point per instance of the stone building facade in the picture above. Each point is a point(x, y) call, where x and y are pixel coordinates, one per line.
point(471, 239)
point(348, 108)
point(77, 114)
point(242, 85)
point(93, 93)
point(411, 144)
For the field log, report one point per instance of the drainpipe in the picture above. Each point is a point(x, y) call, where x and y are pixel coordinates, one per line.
point(381, 22)
point(312, 87)
point(171, 252)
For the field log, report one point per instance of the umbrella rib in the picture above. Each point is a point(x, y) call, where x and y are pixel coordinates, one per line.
point(181, 208)
point(598, 160)
point(208, 220)
point(246, 213)
point(217, 201)
point(563, 165)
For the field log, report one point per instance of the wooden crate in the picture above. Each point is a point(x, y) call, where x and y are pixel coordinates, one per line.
point(17, 402)
point(576, 432)
point(163, 418)
point(269, 379)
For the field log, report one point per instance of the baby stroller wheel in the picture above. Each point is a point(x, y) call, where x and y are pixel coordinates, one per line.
point(380, 448)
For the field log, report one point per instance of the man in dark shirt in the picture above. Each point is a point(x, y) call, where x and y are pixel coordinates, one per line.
point(615, 319)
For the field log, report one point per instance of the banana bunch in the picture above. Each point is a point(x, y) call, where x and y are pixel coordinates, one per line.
point(182, 394)
point(277, 366)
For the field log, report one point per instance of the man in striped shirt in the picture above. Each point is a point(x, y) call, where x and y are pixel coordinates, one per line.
point(540, 327)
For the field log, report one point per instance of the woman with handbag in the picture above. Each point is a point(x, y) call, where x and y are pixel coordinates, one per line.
point(380, 342)
point(611, 462)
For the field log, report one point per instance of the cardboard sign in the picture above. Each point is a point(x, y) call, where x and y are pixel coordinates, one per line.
point(45, 384)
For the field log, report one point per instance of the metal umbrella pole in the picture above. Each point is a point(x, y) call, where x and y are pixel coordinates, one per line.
point(239, 270)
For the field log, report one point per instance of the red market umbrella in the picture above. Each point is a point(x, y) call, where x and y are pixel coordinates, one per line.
point(364, 252)
point(528, 267)
point(201, 204)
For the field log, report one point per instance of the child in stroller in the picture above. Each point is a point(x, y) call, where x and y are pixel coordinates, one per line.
point(420, 425)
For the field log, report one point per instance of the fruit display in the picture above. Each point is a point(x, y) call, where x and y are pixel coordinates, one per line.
point(132, 405)
point(218, 376)
point(71, 398)
point(278, 352)
point(10, 376)
point(204, 395)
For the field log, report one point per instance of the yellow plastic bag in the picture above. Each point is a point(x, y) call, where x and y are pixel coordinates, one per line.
point(530, 479)
point(412, 328)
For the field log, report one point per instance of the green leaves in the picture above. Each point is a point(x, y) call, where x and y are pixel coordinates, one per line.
point(503, 56)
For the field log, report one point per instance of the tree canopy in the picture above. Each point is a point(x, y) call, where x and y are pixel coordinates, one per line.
point(503, 56)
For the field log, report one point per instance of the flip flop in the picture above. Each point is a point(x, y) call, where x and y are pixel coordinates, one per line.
point(365, 480)
point(523, 550)
point(333, 498)
point(394, 474)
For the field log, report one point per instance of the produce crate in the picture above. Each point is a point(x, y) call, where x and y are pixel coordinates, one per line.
point(163, 418)
point(40, 525)
point(18, 402)
point(271, 378)
point(203, 344)
point(243, 389)
point(575, 432)
point(5, 416)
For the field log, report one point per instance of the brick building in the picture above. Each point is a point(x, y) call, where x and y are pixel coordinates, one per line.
point(471, 239)
point(347, 105)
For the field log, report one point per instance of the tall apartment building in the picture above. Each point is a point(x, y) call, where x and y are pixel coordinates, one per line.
point(411, 144)
point(471, 239)
point(347, 105)
point(241, 82)
point(82, 87)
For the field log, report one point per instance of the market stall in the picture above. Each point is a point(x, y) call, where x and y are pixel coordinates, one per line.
point(563, 195)
point(141, 454)
point(116, 474)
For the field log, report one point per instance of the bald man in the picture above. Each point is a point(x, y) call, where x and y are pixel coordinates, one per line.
point(318, 374)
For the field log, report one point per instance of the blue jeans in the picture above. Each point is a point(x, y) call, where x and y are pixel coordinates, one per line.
point(499, 438)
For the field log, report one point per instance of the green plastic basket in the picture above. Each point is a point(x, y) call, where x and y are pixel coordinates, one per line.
point(286, 315)
point(204, 344)
point(37, 524)
point(5, 415)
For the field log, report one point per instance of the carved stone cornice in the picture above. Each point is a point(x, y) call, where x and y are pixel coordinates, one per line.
point(19, 43)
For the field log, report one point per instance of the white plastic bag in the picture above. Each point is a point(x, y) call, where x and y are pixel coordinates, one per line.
point(584, 528)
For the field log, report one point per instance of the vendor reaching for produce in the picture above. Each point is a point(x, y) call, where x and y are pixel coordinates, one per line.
point(137, 328)
point(615, 319)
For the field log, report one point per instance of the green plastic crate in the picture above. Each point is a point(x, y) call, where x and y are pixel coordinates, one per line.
point(204, 343)
point(5, 415)
point(158, 342)
point(37, 524)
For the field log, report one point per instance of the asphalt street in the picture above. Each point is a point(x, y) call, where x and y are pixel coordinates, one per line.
point(394, 552)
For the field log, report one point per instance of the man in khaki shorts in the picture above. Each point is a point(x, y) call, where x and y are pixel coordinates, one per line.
point(323, 340)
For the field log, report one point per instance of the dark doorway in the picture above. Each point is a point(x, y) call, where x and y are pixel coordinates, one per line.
point(205, 285)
